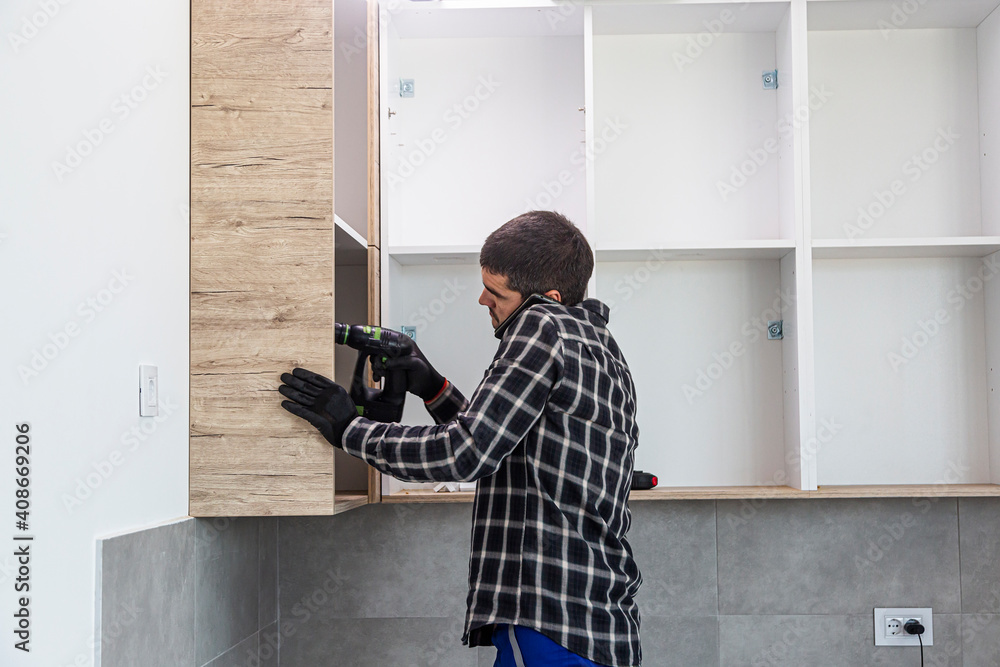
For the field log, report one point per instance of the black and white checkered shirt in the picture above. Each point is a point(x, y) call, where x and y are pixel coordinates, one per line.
point(550, 434)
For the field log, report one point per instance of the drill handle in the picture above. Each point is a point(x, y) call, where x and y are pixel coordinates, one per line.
point(383, 405)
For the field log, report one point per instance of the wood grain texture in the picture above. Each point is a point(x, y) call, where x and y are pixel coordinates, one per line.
point(348, 501)
point(421, 496)
point(749, 492)
point(262, 244)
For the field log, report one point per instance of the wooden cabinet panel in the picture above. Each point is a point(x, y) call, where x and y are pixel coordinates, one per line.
point(262, 252)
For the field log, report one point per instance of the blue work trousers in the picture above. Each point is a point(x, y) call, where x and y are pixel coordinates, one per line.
point(536, 650)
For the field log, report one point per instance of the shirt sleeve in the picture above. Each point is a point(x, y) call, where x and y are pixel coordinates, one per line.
point(447, 405)
point(503, 409)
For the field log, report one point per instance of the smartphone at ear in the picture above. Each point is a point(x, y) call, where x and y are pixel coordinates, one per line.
point(528, 303)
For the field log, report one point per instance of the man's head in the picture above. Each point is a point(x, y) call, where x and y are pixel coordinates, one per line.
point(539, 251)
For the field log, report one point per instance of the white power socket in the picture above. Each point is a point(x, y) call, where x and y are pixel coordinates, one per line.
point(890, 626)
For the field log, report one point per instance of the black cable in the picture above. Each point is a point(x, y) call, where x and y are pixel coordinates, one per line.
point(913, 627)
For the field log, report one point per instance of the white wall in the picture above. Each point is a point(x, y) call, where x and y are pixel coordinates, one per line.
point(64, 236)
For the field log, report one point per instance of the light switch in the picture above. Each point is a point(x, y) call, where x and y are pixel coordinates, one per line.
point(148, 391)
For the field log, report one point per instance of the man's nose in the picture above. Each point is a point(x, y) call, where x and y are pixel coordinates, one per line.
point(483, 298)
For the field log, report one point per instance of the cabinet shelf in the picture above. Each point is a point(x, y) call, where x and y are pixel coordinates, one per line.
point(351, 248)
point(968, 246)
point(786, 492)
point(426, 496)
point(348, 501)
point(750, 492)
point(767, 249)
point(435, 255)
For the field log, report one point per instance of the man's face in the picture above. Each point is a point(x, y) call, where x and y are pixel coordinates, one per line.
point(498, 298)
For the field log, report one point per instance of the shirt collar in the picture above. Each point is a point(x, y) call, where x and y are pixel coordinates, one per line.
point(596, 307)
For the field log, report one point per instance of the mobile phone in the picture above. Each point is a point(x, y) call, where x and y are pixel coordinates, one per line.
point(528, 303)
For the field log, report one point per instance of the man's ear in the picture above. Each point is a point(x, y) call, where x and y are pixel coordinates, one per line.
point(554, 294)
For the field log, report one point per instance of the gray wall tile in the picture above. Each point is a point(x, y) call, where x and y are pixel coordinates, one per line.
point(243, 654)
point(227, 591)
point(386, 561)
point(837, 556)
point(674, 546)
point(980, 640)
point(147, 597)
point(378, 642)
point(487, 656)
point(785, 641)
point(681, 641)
point(979, 530)
point(268, 594)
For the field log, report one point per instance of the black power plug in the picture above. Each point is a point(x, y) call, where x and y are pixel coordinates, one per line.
point(914, 627)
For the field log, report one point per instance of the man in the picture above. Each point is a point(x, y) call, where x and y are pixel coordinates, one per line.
point(550, 436)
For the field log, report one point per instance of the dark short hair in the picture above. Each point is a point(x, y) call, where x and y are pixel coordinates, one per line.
point(540, 251)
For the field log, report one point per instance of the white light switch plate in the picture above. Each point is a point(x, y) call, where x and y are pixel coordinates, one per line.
point(149, 391)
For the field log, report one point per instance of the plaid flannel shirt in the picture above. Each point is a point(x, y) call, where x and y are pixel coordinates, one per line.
point(550, 434)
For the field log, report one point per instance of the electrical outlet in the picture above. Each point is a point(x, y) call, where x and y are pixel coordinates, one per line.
point(894, 627)
point(890, 625)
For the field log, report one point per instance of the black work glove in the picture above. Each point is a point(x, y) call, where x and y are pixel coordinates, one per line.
point(421, 378)
point(321, 402)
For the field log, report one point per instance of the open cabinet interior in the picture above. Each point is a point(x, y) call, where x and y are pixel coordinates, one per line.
point(905, 221)
point(825, 167)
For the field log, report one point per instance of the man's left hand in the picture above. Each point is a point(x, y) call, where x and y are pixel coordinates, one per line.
point(320, 401)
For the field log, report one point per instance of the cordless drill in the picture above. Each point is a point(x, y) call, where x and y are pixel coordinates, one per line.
point(380, 345)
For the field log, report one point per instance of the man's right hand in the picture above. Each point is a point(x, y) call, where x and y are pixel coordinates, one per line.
point(421, 378)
